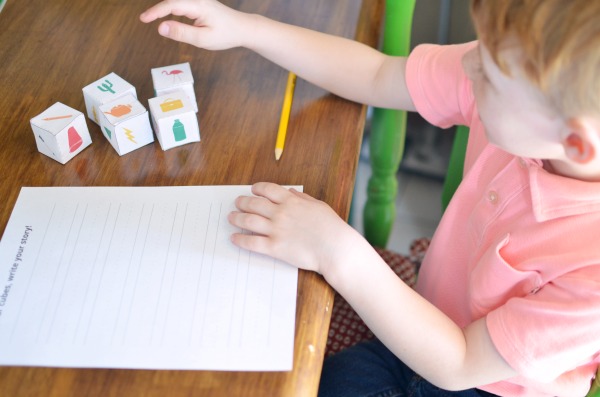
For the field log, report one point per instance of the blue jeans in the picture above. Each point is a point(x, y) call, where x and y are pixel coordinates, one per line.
point(369, 369)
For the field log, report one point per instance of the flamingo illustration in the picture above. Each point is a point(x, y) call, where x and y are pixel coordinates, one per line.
point(175, 73)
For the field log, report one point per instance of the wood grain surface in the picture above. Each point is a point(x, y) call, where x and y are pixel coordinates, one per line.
point(51, 49)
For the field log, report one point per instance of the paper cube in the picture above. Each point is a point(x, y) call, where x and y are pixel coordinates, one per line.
point(126, 124)
point(173, 78)
point(174, 120)
point(61, 132)
point(107, 89)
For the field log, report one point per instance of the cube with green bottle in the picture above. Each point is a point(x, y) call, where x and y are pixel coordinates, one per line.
point(174, 119)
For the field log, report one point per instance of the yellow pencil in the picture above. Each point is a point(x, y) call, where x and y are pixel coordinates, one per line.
point(285, 115)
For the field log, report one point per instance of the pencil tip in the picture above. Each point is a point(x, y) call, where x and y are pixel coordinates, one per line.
point(278, 153)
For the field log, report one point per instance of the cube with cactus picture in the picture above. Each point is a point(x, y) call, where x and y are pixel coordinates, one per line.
point(107, 89)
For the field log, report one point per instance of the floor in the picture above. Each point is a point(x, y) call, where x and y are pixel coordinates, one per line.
point(418, 202)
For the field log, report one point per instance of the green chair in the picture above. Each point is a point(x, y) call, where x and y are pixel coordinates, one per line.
point(388, 132)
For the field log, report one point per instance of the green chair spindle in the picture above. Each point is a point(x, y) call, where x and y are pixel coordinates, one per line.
point(388, 131)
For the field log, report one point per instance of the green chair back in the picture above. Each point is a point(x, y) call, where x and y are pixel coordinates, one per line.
point(455, 164)
point(595, 390)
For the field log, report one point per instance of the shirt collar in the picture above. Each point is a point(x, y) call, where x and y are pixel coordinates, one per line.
point(554, 196)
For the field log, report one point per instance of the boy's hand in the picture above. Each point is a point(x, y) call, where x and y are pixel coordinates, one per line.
point(215, 26)
point(294, 227)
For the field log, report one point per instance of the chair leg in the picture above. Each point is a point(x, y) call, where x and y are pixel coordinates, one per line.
point(386, 148)
point(388, 131)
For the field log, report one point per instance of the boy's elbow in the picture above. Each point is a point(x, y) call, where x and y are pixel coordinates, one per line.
point(451, 381)
point(478, 364)
point(469, 376)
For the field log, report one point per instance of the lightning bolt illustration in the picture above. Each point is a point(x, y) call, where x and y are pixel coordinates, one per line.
point(129, 135)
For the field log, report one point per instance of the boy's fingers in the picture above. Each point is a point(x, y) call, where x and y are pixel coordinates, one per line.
point(251, 222)
point(255, 205)
point(251, 242)
point(165, 8)
point(303, 195)
point(271, 191)
point(155, 12)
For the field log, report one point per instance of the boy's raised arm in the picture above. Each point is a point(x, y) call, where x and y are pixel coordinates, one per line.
point(342, 66)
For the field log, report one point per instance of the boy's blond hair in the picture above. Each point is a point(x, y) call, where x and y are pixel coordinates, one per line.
point(560, 43)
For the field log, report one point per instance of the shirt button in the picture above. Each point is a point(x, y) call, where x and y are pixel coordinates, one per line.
point(492, 197)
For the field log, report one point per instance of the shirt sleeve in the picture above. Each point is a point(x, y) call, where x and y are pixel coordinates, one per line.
point(438, 85)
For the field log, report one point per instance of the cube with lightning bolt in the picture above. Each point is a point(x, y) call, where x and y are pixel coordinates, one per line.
point(107, 89)
point(126, 124)
point(174, 119)
point(60, 132)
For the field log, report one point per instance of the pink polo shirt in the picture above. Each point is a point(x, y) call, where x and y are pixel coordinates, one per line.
point(517, 245)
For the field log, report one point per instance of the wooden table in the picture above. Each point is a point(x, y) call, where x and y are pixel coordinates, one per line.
point(51, 49)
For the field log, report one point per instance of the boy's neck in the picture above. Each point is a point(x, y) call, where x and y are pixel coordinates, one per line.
point(571, 170)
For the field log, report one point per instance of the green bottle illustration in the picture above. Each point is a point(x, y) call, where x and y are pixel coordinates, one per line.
point(178, 131)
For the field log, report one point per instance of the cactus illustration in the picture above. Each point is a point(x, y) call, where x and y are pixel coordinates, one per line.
point(106, 87)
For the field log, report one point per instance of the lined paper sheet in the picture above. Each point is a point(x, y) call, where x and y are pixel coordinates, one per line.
point(140, 277)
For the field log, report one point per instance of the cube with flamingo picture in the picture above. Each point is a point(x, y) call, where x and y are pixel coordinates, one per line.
point(60, 132)
point(168, 79)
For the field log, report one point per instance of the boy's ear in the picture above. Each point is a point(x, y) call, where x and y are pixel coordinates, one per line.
point(582, 144)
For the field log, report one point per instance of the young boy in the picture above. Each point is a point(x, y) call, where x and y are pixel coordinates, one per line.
point(508, 298)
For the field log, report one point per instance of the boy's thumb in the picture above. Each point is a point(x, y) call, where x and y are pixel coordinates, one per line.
point(164, 29)
point(178, 31)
